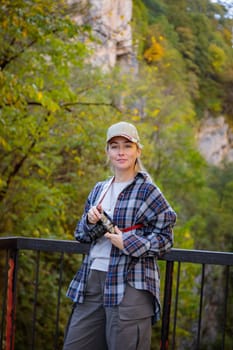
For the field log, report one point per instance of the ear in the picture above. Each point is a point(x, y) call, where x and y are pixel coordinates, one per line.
point(107, 154)
point(139, 151)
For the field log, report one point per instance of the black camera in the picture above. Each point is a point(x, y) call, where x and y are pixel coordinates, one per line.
point(104, 225)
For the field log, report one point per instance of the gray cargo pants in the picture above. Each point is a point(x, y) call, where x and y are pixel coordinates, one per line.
point(94, 327)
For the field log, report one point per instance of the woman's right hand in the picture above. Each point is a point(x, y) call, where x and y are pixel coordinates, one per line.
point(94, 215)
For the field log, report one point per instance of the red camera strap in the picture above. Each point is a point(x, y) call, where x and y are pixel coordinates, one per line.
point(134, 227)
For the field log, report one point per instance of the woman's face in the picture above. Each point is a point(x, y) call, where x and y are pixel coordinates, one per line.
point(122, 153)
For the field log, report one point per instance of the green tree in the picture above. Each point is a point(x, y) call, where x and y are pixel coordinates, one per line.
point(50, 101)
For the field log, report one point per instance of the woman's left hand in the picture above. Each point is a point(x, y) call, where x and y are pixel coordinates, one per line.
point(116, 238)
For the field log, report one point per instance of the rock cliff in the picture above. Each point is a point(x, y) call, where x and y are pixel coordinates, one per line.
point(110, 23)
point(215, 140)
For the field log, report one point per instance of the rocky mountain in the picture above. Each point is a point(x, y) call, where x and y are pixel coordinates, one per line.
point(110, 23)
point(215, 140)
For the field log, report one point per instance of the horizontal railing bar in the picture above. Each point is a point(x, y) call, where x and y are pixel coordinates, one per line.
point(69, 246)
point(42, 244)
point(199, 256)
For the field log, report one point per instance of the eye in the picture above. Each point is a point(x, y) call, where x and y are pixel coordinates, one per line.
point(129, 145)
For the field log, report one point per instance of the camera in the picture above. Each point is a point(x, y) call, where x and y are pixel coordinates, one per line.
point(104, 225)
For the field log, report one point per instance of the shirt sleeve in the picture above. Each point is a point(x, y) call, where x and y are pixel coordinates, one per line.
point(156, 236)
point(82, 229)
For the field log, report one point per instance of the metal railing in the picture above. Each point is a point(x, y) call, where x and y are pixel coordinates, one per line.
point(14, 260)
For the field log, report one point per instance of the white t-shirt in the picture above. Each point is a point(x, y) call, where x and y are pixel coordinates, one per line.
point(100, 252)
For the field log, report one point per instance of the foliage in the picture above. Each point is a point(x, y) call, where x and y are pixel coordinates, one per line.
point(155, 52)
point(204, 43)
point(39, 274)
point(219, 221)
point(47, 104)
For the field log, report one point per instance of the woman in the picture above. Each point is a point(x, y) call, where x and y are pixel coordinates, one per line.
point(116, 291)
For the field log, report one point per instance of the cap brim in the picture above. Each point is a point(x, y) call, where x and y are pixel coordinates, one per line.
point(131, 139)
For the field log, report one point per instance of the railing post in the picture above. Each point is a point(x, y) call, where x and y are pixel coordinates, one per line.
point(11, 299)
point(166, 305)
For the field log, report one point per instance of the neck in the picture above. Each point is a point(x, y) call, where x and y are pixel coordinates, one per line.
point(123, 176)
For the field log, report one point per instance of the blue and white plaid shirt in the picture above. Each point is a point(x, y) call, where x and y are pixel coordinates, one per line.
point(141, 202)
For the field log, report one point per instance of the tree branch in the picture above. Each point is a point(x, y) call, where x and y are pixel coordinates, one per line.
point(15, 171)
point(8, 60)
point(67, 105)
point(110, 104)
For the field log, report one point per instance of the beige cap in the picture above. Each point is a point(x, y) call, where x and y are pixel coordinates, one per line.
point(124, 129)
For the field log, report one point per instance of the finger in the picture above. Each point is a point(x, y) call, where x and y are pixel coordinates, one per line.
point(96, 212)
point(99, 208)
point(92, 217)
point(117, 230)
point(93, 211)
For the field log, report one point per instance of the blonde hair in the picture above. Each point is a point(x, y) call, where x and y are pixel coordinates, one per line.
point(139, 166)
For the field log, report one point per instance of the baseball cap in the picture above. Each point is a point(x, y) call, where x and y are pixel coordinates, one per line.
point(126, 130)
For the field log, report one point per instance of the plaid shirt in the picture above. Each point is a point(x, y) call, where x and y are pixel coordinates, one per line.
point(140, 202)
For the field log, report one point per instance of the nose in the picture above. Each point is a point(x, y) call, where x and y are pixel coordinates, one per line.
point(121, 150)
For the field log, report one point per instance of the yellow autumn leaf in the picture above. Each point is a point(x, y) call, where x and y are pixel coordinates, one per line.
point(39, 95)
point(24, 33)
point(4, 23)
point(80, 172)
point(135, 118)
point(4, 143)
point(77, 159)
point(36, 233)
point(2, 183)
point(41, 172)
point(155, 51)
point(155, 112)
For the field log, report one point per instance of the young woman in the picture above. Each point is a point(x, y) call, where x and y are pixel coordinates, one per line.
point(116, 290)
